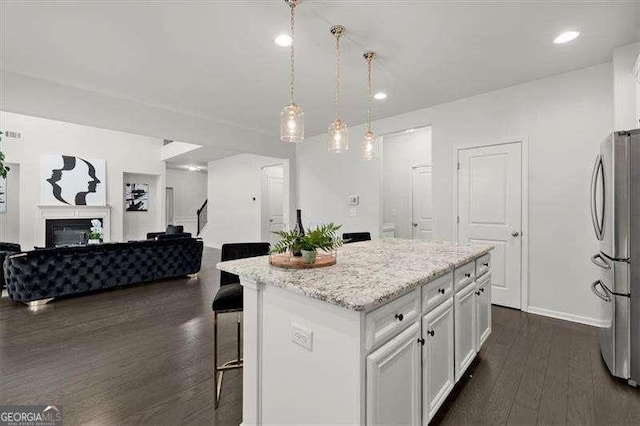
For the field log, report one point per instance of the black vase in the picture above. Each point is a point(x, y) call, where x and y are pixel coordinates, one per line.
point(299, 229)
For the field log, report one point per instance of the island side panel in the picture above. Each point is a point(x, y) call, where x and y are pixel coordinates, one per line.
point(251, 348)
point(302, 386)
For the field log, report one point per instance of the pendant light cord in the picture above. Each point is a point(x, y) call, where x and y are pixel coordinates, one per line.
point(292, 4)
point(337, 99)
point(369, 59)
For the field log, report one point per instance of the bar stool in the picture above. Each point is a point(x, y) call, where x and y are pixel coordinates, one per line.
point(228, 299)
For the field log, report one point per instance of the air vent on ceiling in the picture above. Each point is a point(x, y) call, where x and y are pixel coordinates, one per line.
point(12, 134)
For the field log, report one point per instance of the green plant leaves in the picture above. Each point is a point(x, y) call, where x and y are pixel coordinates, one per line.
point(323, 237)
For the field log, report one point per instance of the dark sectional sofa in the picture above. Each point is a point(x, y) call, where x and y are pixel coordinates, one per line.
point(50, 273)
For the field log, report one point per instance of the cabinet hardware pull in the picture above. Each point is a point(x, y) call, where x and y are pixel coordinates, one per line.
point(400, 317)
point(478, 293)
point(486, 264)
point(441, 290)
point(482, 289)
point(468, 275)
point(431, 333)
point(421, 341)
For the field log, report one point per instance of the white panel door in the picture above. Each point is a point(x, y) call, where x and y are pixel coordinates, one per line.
point(465, 328)
point(490, 211)
point(437, 358)
point(273, 202)
point(421, 204)
point(393, 381)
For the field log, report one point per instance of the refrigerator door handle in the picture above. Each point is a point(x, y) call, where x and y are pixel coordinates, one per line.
point(604, 297)
point(602, 263)
point(598, 226)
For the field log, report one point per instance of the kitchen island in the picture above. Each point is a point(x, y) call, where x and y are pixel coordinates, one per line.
point(380, 337)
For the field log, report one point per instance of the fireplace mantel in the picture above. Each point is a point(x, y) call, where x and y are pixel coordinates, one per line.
point(72, 212)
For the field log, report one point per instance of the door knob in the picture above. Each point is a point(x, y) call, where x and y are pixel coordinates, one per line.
point(515, 233)
point(414, 224)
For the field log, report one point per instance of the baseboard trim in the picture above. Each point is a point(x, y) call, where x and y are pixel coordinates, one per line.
point(567, 317)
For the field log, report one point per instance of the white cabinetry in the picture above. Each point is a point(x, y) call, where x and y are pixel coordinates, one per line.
point(465, 328)
point(437, 358)
point(393, 380)
point(483, 309)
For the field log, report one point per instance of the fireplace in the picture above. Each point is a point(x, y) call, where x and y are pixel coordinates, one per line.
point(67, 232)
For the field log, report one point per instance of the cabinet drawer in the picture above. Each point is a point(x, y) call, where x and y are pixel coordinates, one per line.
point(436, 291)
point(464, 275)
point(483, 265)
point(388, 320)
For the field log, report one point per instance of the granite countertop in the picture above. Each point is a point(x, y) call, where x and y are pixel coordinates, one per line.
point(368, 274)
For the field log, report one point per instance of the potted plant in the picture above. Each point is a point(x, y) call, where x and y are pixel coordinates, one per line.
point(323, 237)
point(95, 236)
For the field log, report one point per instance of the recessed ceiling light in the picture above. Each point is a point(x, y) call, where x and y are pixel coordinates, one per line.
point(566, 37)
point(192, 168)
point(410, 130)
point(283, 40)
point(380, 96)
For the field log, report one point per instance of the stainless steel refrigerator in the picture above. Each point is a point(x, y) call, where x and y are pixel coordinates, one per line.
point(615, 210)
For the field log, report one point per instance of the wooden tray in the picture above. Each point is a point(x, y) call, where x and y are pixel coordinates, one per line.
point(287, 261)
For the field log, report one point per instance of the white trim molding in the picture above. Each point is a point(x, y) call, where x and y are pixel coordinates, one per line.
point(524, 144)
point(71, 212)
point(566, 317)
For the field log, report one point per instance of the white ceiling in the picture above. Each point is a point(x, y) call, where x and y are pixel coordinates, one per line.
point(217, 59)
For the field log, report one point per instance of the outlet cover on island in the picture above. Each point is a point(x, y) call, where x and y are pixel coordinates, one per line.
point(353, 211)
point(301, 336)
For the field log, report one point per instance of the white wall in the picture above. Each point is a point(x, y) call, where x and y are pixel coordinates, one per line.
point(234, 192)
point(624, 87)
point(123, 152)
point(10, 221)
point(189, 192)
point(138, 223)
point(564, 118)
point(401, 152)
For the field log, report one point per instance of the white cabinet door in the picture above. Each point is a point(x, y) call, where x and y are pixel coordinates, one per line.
point(437, 358)
point(483, 310)
point(465, 328)
point(393, 380)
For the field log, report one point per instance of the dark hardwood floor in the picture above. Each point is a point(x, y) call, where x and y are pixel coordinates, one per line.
point(144, 354)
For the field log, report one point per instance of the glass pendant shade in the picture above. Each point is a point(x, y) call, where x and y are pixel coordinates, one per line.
point(338, 137)
point(369, 146)
point(292, 124)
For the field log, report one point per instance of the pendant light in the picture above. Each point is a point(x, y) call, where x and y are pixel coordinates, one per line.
point(292, 117)
point(338, 134)
point(369, 143)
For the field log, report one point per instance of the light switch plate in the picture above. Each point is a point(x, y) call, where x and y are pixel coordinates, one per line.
point(301, 336)
point(353, 200)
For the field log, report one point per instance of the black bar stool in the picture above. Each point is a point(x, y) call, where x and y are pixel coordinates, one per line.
point(228, 299)
point(354, 237)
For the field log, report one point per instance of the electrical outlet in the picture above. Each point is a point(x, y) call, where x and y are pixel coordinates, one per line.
point(301, 336)
point(353, 200)
point(394, 212)
point(353, 211)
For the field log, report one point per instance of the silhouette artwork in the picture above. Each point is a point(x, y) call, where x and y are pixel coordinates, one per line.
point(73, 181)
point(137, 197)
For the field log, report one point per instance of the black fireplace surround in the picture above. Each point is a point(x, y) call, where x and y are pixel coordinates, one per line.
point(63, 271)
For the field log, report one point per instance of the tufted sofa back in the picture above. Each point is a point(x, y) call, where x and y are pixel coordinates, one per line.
point(47, 273)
